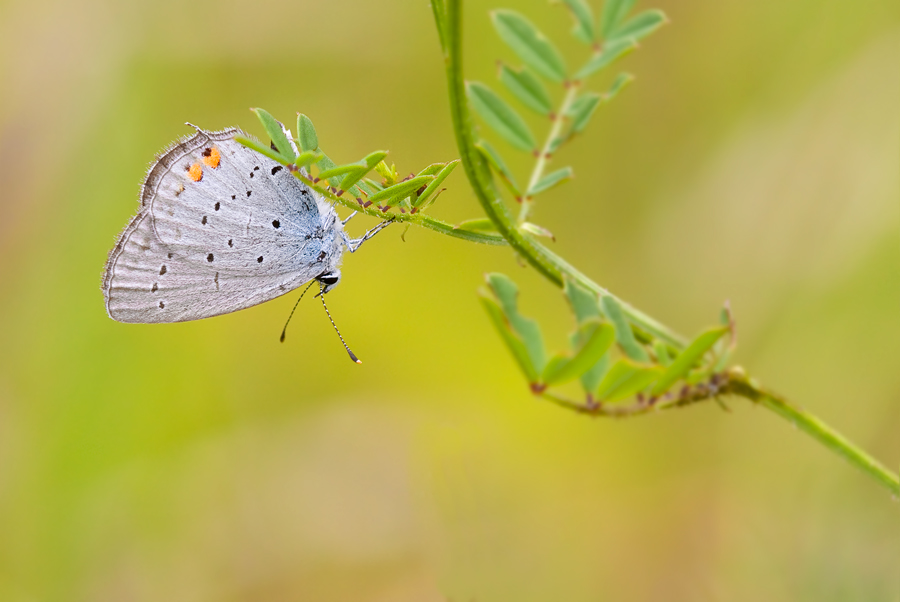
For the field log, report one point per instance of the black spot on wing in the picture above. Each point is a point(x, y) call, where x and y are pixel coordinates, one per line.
point(276, 169)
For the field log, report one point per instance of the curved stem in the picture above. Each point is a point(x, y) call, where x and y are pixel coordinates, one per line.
point(555, 269)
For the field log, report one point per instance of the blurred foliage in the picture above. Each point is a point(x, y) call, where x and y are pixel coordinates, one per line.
point(754, 158)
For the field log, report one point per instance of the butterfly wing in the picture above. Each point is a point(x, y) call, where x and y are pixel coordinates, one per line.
point(221, 228)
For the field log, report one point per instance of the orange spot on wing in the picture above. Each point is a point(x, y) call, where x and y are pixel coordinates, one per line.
point(212, 157)
point(195, 172)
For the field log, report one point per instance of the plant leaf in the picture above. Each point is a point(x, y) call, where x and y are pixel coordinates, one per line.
point(276, 134)
point(640, 26)
point(538, 230)
point(340, 170)
point(527, 88)
point(624, 335)
point(425, 198)
point(529, 44)
point(307, 158)
point(507, 293)
point(366, 165)
point(306, 133)
point(622, 80)
point(496, 162)
point(614, 12)
point(513, 341)
point(550, 180)
point(399, 191)
point(687, 359)
point(610, 52)
point(500, 116)
point(584, 303)
point(481, 224)
point(598, 338)
point(626, 378)
point(261, 149)
point(582, 110)
point(584, 20)
point(661, 351)
point(389, 174)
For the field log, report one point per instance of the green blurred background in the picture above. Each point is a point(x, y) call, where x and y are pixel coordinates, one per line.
point(755, 158)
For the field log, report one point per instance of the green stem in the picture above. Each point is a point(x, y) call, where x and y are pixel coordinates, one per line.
point(448, 17)
point(538, 172)
point(555, 269)
point(418, 219)
point(746, 387)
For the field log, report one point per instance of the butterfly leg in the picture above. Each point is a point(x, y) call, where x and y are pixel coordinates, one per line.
point(349, 218)
point(354, 243)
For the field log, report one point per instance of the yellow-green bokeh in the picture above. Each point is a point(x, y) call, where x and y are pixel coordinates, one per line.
point(755, 158)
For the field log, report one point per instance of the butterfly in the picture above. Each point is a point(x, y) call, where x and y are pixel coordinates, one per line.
point(221, 228)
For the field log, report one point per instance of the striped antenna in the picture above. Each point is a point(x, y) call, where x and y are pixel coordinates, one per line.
point(284, 331)
point(328, 313)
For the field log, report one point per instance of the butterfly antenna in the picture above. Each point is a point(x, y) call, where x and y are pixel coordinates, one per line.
point(328, 313)
point(284, 332)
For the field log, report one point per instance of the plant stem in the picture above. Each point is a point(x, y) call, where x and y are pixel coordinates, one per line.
point(746, 387)
point(448, 20)
point(418, 219)
point(538, 172)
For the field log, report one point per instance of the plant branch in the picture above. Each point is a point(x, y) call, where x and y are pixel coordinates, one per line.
point(418, 219)
point(538, 172)
point(448, 20)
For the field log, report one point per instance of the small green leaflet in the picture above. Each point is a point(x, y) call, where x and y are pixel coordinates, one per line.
point(625, 379)
point(583, 29)
point(582, 110)
point(513, 341)
point(625, 336)
point(529, 44)
point(507, 293)
point(584, 303)
point(527, 88)
point(481, 224)
point(609, 53)
point(640, 26)
point(426, 197)
point(614, 11)
point(306, 133)
point(496, 162)
point(276, 134)
point(538, 230)
point(261, 149)
point(598, 337)
point(550, 180)
point(687, 359)
point(399, 191)
point(500, 116)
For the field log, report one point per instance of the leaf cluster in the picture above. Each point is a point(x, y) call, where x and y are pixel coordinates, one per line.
point(604, 356)
point(302, 155)
point(609, 38)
